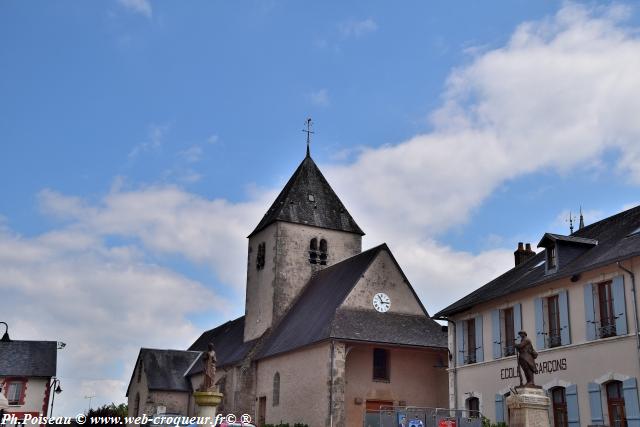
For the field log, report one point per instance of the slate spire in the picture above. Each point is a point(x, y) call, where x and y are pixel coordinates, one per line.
point(308, 199)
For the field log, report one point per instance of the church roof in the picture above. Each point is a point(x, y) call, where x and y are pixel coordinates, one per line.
point(316, 316)
point(612, 239)
point(165, 369)
point(308, 199)
point(28, 358)
point(228, 342)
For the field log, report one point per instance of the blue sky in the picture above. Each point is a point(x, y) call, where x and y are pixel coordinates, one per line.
point(141, 141)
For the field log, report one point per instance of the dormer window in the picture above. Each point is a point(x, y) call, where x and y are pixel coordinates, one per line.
point(552, 257)
point(563, 249)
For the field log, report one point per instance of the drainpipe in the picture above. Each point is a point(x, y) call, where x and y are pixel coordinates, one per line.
point(331, 385)
point(454, 360)
point(635, 305)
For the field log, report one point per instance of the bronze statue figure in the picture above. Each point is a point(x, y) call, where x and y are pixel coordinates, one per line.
point(209, 364)
point(526, 359)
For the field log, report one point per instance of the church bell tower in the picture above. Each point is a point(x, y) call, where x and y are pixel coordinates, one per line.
point(307, 228)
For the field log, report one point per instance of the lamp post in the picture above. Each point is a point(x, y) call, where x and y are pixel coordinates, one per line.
point(55, 386)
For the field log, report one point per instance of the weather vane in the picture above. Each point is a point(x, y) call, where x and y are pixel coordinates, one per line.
point(308, 131)
point(570, 221)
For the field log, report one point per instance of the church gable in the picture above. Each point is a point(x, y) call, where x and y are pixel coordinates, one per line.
point(384, 276)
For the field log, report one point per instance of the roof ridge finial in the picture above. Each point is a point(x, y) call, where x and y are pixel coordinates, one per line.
point(581, 226)
point(308, 131)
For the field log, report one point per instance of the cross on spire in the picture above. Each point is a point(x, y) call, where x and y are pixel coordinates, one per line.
point(308, 131)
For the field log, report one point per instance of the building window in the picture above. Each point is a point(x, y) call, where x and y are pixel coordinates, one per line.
point(470, 355)
point(607, 327)
point(553, 314)
point(380, 364)
point(509, 334)
point(261, 256)
point(15, 392)
point(276, 389)
point(323, 252)
point(318, 254)
point(559, 401)
point(552, 257)
point(615, 403)
point(313, 251)
point(473, 406)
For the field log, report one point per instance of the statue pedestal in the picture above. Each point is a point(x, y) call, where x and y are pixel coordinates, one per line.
point(207, 402)
point(528, 408)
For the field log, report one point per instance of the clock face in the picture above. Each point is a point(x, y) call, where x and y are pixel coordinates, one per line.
point(381, 302)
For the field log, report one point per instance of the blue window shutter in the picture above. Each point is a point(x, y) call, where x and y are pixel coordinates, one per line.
point(630, 393)
point(619, 309)
point(565, 331)
point(499, 408)
point(589, 312)
point(517, 318)
point(595, 403)
point(573, 412)
point(479, 343)
point(495, 327)
point(538, 306)
point(459, 343)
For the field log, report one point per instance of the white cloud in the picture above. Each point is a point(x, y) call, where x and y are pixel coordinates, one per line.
point(104, 302)
point(320, 98)
point(154, 142)
point(561, 93)
point(360, 28)
point(193, 154)
point(143, 7)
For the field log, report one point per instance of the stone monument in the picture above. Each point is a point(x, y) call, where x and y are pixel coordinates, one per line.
point(528, 404)
point(206, 397)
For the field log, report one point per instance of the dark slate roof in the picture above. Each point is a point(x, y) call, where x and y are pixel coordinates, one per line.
point(617, 237)
point(293, 204)
point(393, 328)
point(28, 358)
point(571, 239)
point(228, 342)
point(165, 369)
point(314, 315)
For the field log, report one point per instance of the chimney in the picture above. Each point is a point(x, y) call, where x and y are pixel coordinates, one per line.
point(522, 254)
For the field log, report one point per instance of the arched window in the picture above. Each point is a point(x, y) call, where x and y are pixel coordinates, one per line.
point(615, 403)
point(276, 389)
point(139, 369)
point(313, 251)
point(136, 405)
point(323, 252)
point(559, 401)
point(473, 406)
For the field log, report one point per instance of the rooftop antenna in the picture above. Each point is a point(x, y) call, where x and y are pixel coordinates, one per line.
point(308, 131)
point(581, 226)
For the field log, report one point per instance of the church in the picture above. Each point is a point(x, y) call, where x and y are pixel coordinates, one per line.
point(331, 333)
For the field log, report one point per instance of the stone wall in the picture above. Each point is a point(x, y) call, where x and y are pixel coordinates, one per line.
point(293, 269)
point(304, 380)
point(384, 276)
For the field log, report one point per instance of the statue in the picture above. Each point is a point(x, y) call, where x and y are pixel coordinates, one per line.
point(209, 364)
point(526, 359)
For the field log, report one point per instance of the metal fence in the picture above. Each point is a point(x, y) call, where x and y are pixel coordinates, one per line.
point(411, 416)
